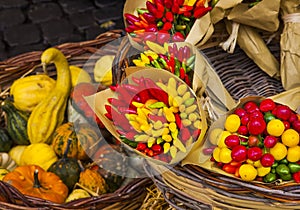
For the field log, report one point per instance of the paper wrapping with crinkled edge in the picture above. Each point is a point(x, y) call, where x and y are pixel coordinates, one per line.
point(264, 15)
point(290, 98)
point(199, 33)
point(254, 46)
point(289, 46)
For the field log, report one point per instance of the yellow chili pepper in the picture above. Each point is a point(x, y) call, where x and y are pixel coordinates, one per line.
point(166, 147)
point(169, 114)
point(177, 143)
point(173, 151)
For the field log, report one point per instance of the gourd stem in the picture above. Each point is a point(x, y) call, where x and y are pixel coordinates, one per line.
point(36, 183)
point(65, 155)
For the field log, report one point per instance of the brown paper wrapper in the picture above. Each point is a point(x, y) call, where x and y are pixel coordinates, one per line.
point(254, 46)
point(289, 44)
point(199, 34)
point(202, 160)
point(264, 15)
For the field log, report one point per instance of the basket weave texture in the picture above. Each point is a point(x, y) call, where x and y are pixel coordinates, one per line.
point(77, 54)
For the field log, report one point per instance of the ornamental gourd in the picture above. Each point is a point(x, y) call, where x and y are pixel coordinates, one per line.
point(5, 140)
point(49, 113)
point(67, 169)
point(83, 136)
point(7, 162)
point(32, 180)
point(16, 123)
point(27, 92)
point(93, 181)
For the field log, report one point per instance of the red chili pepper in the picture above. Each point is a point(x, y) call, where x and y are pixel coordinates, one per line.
point(196, 133)
point(180, 54)
point(136, 98)
point(160, 6)
point(149, 17)
point(163, 37)
point(187, 80)
point(151, 8)
point(126, 110)
point(130, 88)
point(186, 52)
point(124, 95)
point(144, 95)
point(99, 122)
point(181, 73)
point(141, 146)
point(170, 50)
point(178, 121)
point(131, 18)
point(157, 118)
point(150, 153)
point(114, 87)
point(237, 172)
point(229, 168)
point(108, 116)
point(120, 120)
point(167, 26)
point(152, 28)
point(178, 37)
point(187, 14)
point(201, 11)
point(156, 92)
point(185, 134)
point(108, 108)
point(130, 135)
point(184, 9)
point(157, 148)
point(163, 56)
point(175, 8)
point(168, 4)
point(296, 177)
point(180, 2)
point(116, 102)
point(169, 16)
point(121, 132)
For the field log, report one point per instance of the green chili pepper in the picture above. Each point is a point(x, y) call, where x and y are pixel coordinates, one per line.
point(182, 17)
point(270, 177)
point(160, 24)
point(273, 170)
point(180, 27)
point(286, 177)
point(282, 169)
point(156, 64)
point(190, 60)
point(294, 167)
point(157, 105)
point(275, 165)
point(128, 142)
point(163, 62)
point(284, 161)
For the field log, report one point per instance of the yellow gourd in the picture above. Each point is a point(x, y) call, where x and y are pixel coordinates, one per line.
point(49, 113)
point(27, 92)
point(79, 75)
point(40, 154)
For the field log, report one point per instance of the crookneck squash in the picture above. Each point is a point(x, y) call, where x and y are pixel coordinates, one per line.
point(49, 113)
point(67, 169)
point(32, 180)
point(29, 91)
point(83, 136)
point(5, 140)
point(16, 122)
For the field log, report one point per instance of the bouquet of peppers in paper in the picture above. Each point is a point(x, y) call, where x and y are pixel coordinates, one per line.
point(162, 20)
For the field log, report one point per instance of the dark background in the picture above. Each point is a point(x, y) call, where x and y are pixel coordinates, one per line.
point(29, 25)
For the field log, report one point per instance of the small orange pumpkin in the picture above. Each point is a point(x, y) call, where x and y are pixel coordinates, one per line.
point(34, 181)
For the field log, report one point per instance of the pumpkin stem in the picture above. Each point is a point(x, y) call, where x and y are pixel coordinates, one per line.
point(65, 155)
point(36, 183)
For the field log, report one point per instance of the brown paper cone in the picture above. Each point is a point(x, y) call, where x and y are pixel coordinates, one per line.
point(221, 9)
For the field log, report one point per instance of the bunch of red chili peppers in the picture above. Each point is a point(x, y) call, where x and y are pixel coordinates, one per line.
point(167, 17)
point(157, 119)
point(179, 61)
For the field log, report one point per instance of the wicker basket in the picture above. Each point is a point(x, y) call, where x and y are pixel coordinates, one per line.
point(192, 187)
point(77, 54)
